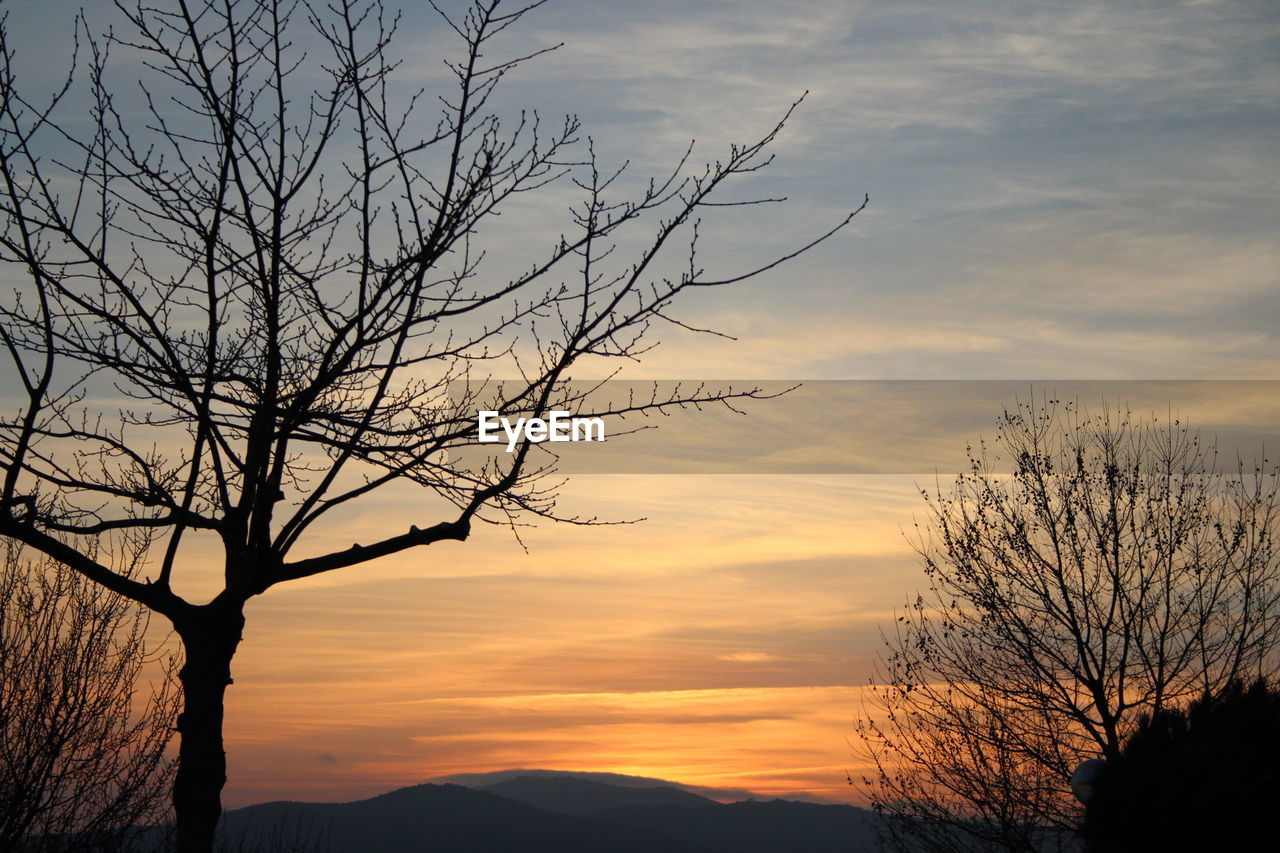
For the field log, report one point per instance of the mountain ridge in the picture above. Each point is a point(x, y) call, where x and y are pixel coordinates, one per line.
point(541, 814)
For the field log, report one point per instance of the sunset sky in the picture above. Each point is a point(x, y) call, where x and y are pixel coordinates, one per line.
point(1058, 191)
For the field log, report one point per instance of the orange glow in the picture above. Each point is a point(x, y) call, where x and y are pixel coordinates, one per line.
point(722, 643)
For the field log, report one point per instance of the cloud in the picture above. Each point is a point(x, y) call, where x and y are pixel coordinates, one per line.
point(749, 657)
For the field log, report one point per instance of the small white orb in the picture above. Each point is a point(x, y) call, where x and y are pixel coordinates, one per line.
point(1085, 777)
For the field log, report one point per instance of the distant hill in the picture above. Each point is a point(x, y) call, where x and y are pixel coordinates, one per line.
point(620, 780)
point(541, 814)
point(436, 818)
point(568, 795)
point(777, 826)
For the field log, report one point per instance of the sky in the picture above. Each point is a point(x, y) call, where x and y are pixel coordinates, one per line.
point(1058, 191)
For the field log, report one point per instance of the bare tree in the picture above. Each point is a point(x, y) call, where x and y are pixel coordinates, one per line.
point(81, 753)
point(253, 277)
point(1092, 570)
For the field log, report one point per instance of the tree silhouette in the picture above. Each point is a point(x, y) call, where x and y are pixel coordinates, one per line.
point(79, 763)
point(262, 283)
point(1109, 570)
point(1204, 777)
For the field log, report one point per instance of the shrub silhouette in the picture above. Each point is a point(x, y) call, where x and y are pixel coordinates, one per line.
point(1203, 778)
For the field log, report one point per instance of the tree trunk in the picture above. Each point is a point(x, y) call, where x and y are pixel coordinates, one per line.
point(209, 640)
